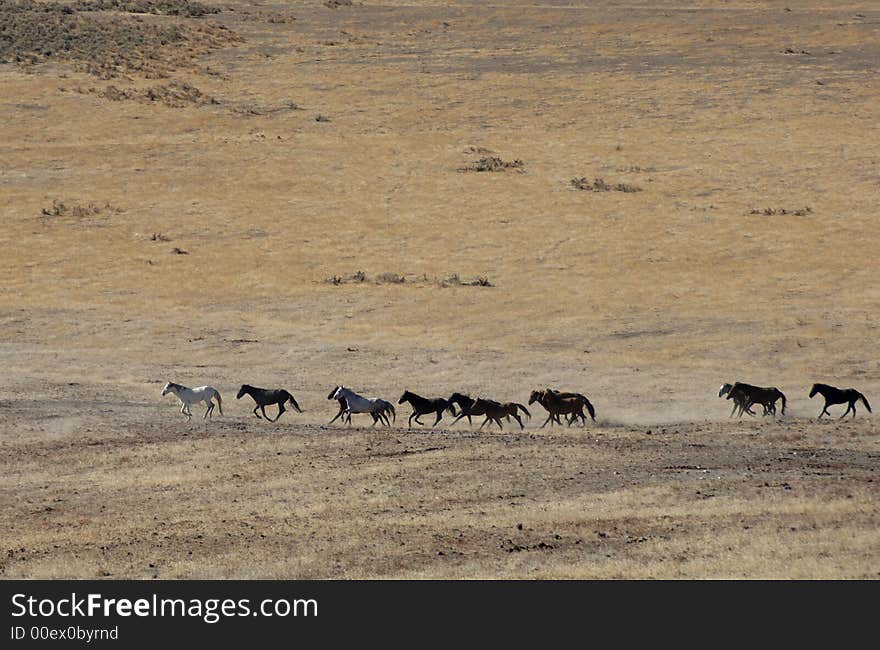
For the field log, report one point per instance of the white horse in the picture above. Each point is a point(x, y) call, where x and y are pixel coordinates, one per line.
point(189, 396)
point(355, 403)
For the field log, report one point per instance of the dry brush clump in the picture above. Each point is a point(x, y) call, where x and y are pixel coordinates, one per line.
point(76, 212)
point(772, 212)
point(599, 185)
point(174, 94)
point(494, 164)
point(453, 280)
point(105, 43)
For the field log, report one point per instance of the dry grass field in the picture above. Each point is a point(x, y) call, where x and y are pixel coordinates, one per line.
point(287, 194)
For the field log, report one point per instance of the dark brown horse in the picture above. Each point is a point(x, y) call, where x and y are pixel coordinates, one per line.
point(494, 411)
point(465, 405)
point(560, 403)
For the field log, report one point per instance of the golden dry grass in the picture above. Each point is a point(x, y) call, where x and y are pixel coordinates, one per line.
point(647, 301)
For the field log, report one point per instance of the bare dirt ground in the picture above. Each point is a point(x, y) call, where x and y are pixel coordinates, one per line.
point(661, 197)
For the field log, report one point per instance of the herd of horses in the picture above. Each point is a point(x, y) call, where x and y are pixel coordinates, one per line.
point(558, 404)
point(745, 396)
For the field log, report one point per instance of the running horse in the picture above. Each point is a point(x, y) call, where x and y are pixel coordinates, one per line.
point(744, 395)
point(494, 411)
point(559, 403)
point(423, 405)
point(737, 393)
point(264, 397)
point(466, 405)
point(188, 396)
point(377, 408)
point(834, 396)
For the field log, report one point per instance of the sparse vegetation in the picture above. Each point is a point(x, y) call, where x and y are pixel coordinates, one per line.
point(187, 8)
point(103, 44)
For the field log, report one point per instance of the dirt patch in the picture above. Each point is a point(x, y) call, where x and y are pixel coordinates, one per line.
point(105, 44)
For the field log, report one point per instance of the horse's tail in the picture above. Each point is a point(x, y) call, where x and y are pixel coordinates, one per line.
point(782, 395)
point(393, 412)
point(450, 407)
point(293, 401)
point(524, 409)
point(590, 409)
point(219, 400)
point(865, 402)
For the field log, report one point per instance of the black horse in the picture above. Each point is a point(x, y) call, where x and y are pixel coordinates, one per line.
point(264, 397)
point(745, 395)
point(834, 395)
point(422, 405)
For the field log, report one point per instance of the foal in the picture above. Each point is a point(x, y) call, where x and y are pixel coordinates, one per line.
point(494, 411)
point(264, 397)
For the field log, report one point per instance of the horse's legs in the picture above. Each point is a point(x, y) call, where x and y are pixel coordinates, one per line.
point(484, 422)
point(498, 422)
point(263, 411)
point(281, 410)
point(521, 425)
point(439, 415)
point(547, 420)
point(411, 416)
point(460, 416)
point(341, 411)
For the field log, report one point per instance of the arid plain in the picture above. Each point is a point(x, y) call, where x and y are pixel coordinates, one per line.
point(675, 195)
